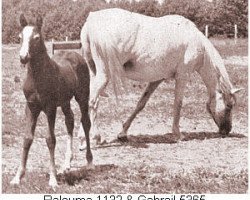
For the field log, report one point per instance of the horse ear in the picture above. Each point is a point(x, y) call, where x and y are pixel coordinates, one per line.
point(236, 90)
point(39, 22)
point(23, 20)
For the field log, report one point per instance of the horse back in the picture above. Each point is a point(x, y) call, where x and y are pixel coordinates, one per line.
point(73, 71)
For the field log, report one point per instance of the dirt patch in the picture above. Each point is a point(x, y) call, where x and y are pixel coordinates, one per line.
point(150, 160)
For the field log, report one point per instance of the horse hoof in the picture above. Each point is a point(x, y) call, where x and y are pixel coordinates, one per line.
point(97, 138)
point(122, 138)
point(223, 134)
point(99, 141)
point(102, 142)
point(63, 170)
point(182, 137)
point(178, 138)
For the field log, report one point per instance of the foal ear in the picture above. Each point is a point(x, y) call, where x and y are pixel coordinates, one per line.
point(236, 90)
point(23, 20)
point(39, 22)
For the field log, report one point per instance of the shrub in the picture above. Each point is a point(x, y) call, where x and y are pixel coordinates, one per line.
point(65, 18)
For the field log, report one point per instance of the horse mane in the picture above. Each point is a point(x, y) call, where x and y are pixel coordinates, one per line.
point(213, 58)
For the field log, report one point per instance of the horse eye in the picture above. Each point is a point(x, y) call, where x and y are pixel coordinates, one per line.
point(230, 106)
point(220, 91)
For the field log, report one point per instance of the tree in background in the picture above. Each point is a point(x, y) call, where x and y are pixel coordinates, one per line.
point(65, 18)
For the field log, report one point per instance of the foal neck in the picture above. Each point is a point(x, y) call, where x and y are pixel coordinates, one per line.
point(40, 60)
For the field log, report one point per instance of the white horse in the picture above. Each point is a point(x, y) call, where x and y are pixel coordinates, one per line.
point(118, 43)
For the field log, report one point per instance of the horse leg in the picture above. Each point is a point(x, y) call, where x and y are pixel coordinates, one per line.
point(86, 124)
point(140, 105)
point(69, 121)
point(51, 143)
point(32, 112)
point(97, 85)
point(81, 136)
point(180, 82)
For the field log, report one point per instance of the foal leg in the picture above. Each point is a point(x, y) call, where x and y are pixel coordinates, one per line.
point(51, 143)
point(86, 124)
point(69, 121)
point(32, 112)
point(180, 83)
point(97, 85)
point(140, 105)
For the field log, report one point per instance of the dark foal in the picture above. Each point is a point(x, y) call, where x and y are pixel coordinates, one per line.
point(51, 83)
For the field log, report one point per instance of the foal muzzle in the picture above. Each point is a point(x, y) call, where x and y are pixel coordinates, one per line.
point(24, 60)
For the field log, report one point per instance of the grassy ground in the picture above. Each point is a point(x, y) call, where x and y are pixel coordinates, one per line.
point(150, 162)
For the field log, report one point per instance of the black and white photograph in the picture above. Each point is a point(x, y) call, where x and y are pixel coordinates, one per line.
point(124, 97)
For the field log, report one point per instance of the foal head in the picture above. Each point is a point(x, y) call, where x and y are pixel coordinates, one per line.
point(31, 39)
point(220, 107)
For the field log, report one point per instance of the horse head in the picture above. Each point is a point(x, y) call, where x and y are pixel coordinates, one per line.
point(220, 107)
point(31, 40)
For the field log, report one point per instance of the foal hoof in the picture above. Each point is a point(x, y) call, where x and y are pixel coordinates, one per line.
point(81, 147)
point(90, 166)
point(53, 184)
point(15, 181)
point(54, 188)
point(99, 141)
point(82, 143)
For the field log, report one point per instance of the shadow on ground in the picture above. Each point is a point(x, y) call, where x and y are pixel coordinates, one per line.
point(75, 176)
point(142, 141)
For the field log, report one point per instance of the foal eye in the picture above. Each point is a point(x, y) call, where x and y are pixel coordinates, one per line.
point(37, 36)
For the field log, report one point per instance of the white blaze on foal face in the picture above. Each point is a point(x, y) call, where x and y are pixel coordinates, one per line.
point(27, 36)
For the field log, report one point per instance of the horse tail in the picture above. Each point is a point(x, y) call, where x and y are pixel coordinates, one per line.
point(116, 75)
point(114, 72)
point(86, 51)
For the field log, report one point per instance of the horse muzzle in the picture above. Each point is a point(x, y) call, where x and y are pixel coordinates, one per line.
point(225, 128)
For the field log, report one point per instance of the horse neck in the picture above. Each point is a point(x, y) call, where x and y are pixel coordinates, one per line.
point(213, 71)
